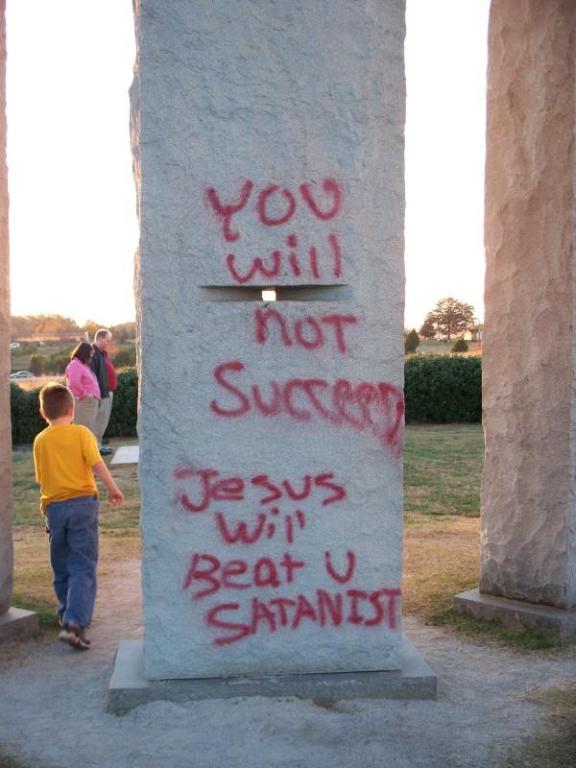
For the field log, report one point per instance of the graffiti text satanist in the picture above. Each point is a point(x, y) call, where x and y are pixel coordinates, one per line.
point(363, 608)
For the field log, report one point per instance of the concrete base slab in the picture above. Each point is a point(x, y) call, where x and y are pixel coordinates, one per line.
point(128, 687)
point(556, 623)
point(18, 624)
point(126, 455)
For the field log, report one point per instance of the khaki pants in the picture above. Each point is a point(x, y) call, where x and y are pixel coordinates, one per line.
point(85, 412)
point(103, 416)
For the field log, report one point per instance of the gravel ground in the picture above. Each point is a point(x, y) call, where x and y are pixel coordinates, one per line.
point(52, 708)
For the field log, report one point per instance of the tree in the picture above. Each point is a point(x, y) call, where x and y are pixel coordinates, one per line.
point(37, 364)
point(428, 329)
point(56, 363)
point(460, 346)
point(22, 327)
point(411, 341)
point(90, 327)
point(451, 317)
point(124, 332)
point(55, 325)
point(125, 358)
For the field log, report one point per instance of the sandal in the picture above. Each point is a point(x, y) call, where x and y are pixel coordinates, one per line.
point(75, 637)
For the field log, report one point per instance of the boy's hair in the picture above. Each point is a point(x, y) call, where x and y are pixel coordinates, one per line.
point(56, 400)
point(100, 334)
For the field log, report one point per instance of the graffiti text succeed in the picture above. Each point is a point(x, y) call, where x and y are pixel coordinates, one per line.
point(377, 407)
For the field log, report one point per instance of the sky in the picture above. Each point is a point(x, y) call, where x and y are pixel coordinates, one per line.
point(73, 226)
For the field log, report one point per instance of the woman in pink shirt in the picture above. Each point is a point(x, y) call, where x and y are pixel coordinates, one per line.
point(83, 384)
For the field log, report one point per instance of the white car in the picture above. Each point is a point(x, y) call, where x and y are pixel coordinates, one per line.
point(14, 345)
point(22, 375)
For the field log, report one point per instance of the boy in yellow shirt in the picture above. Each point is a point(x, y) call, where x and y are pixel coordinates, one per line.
point(66, 458)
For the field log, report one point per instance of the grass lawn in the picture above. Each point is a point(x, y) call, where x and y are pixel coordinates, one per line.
point(119, 533)
point(442, 467)
point(554, 744)
point(444, 347)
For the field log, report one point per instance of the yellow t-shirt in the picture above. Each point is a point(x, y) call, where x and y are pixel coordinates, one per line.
point(64, 455)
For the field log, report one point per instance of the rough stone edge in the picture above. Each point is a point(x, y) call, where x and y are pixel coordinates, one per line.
point(18, 624)
point(558, 624)
point(6, 502)
point(128, 688)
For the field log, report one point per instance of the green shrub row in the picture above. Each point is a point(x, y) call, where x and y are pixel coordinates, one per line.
point(123, 418)
point(443, 389)
point(439, 389)
point(26, 420)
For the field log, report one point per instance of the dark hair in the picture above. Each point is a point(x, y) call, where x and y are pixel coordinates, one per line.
point(56, 400)
point(83, 352)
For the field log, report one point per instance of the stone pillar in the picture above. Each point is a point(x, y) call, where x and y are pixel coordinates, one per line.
point(529, 392)
point(15, 623)
point(6, 556)
point(269, 154)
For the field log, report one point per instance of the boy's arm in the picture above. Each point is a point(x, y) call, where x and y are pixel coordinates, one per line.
point(35, 452)
point(37, 475)
point(115, 495)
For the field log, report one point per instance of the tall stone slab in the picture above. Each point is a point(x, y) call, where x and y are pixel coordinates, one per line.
point(269, 154)
point(6, 555)
point(15, 623)
point(528, 488)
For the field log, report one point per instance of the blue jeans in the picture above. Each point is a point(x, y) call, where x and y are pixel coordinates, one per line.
point(73, 526)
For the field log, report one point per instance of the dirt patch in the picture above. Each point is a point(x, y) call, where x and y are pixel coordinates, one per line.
point(52, 707)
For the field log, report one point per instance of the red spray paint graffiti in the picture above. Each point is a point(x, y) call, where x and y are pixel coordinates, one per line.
point(209, 571)
point(275, 205)
point(207, 575)
point(199, 489)
point(274, 511)
point(365, 406)
point(326, 265)
point(307, 332)
point(203, 488)
point(377, 608)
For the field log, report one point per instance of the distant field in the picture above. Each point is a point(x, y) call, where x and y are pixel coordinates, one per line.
point(37, 382)
point(20, 358)
point(435, 347)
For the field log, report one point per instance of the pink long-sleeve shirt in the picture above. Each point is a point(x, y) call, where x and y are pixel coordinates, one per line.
point(82, 380)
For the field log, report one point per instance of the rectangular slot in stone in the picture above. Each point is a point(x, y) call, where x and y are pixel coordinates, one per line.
point(283, 293)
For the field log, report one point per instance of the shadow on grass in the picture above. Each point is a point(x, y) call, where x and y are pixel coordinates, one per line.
point(44, 610)
point(490, 631)
point(10, 762)
point(554, 743)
